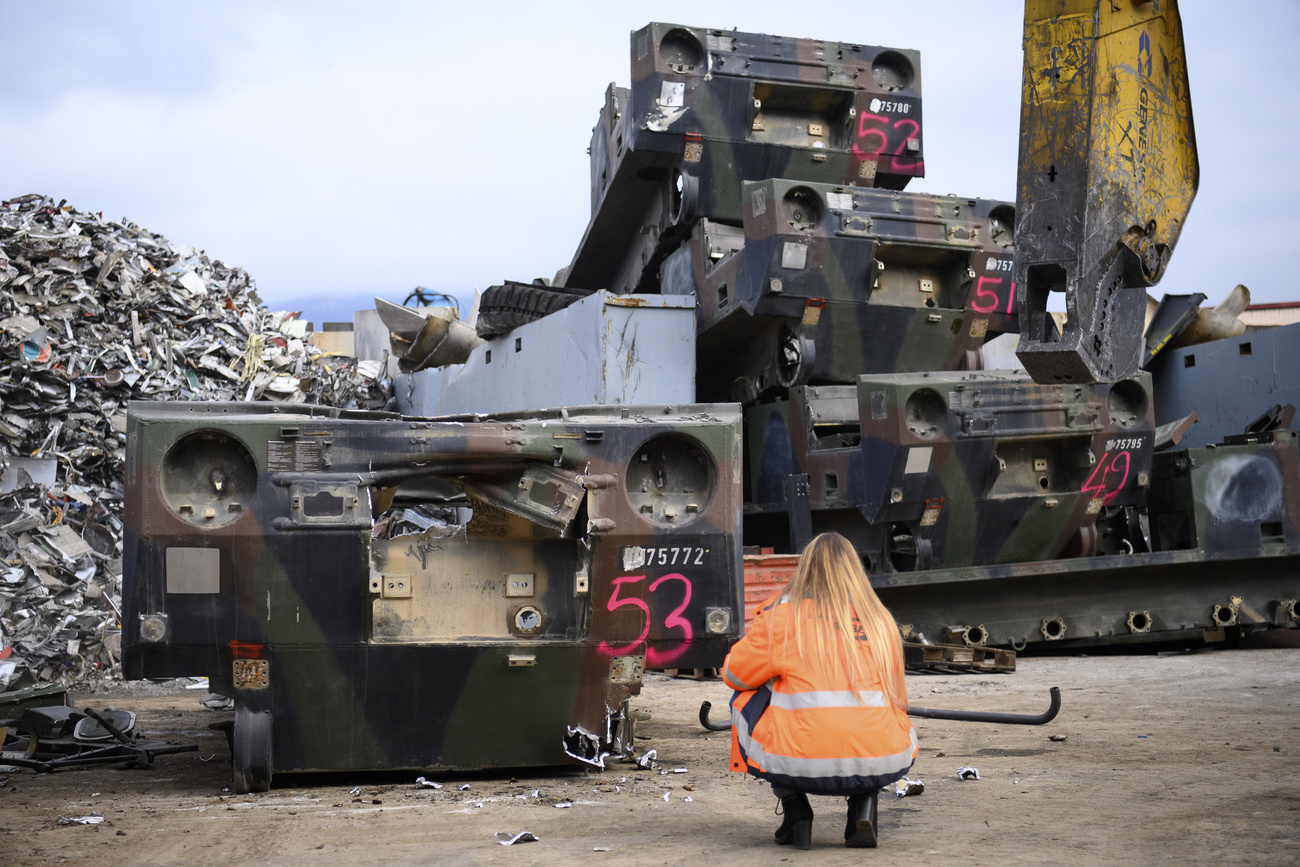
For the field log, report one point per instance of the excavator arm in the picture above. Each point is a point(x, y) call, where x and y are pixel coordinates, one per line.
point(1106, 175)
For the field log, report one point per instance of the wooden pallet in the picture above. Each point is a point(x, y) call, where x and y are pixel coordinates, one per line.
point(957, 659)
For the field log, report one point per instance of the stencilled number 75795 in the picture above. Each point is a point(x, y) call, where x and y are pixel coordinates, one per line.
point(688, 556)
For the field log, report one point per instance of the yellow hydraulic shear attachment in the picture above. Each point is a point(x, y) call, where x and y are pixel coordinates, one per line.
point(1106, 176)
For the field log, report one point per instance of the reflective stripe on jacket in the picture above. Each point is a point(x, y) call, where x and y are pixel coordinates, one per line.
point(794, 726)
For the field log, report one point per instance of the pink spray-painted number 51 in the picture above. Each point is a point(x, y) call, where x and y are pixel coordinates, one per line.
point(654, 657)
point(987, 300)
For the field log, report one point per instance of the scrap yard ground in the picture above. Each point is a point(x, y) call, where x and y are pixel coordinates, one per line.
point(1177, 758)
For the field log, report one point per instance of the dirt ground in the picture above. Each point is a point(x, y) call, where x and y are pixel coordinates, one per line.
point(1174, 758)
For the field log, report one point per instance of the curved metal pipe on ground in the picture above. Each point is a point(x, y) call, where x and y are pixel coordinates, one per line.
point(1024, 719)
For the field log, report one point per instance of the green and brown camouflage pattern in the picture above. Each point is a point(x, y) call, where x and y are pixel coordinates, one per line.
point(710, 109)
point(602, 540)
point(943, 470)
point(1223, 561)
point(823, 283)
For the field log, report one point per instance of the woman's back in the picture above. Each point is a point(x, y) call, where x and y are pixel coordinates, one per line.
point(812, 723)
point(820, 704)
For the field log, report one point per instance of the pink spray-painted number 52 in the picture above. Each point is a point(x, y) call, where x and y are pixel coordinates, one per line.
point(873, 135)
point(654, 657)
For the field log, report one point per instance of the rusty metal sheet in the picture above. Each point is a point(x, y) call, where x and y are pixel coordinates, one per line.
point(1228, 383)
point(599, 350)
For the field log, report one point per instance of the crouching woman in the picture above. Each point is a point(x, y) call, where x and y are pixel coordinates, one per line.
point(820, 705)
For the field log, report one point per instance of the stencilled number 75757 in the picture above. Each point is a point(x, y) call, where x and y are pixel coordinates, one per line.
point(665, 556)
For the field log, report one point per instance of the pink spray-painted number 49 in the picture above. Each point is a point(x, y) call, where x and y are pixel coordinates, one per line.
point(1116, 468)
point(654, 657)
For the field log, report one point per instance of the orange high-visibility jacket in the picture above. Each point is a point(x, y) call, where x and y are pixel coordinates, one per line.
point(793, 726)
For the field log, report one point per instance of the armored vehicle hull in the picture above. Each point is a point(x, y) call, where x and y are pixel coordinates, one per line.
point(711, 109)
point(823, 283)
point(385, 592)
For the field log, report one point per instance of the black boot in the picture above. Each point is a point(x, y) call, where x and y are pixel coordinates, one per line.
point(796, 824)
point(860, 832)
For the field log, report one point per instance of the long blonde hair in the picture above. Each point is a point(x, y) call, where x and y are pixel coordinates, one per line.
point(831, 576)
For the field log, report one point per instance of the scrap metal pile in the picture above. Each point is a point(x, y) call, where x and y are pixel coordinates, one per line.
point(95, 313)
point(49, 737)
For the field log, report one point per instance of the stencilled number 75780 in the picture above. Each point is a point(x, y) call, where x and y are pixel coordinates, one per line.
point(665, 556)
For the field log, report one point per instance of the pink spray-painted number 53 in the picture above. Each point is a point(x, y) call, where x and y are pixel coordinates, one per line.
point(654, 657)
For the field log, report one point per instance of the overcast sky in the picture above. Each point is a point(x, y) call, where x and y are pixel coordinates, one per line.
point(341, 151)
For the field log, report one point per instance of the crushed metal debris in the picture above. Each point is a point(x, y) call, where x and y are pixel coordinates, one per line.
point(505, 838)
point(95, 313)
point(906, 787)
point(50, 737)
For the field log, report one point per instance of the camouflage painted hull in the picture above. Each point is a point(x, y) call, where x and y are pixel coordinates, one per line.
point(824, 283)
point(585, 545)
point(711, 109)
point(1221, 558)
point(991, 510)
point(942, 470)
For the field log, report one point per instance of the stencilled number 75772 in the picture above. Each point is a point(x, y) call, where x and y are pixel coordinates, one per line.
point(688, 556)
